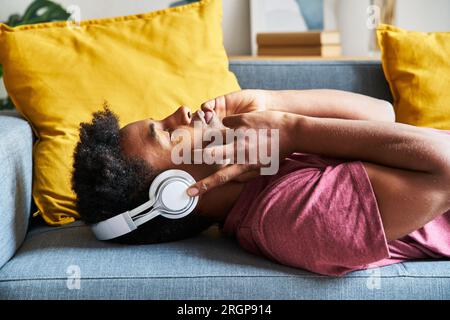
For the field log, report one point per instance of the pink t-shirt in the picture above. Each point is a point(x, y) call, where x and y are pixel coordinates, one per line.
point(320, 214)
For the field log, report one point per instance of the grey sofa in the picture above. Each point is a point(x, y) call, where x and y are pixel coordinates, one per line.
point(41, 262)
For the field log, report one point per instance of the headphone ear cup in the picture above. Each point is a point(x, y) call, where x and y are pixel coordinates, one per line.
point(169, 190)
point(173, 195)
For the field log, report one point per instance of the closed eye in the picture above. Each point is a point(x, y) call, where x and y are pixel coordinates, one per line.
point(152, 130)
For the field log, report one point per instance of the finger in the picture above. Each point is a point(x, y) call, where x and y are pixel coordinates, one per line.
point(219, 178)
point(209, 105)
point(217, 136)
point(219, 105)
point(215, 154)
point(233, 121)
point(227, 149)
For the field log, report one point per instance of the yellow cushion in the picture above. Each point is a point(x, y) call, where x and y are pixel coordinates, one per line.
point(143, 65)
point(417, 67)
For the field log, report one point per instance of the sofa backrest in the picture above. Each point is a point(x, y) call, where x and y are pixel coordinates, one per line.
point(365, 77)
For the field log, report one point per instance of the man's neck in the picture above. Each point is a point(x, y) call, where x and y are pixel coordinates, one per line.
point(218, 202)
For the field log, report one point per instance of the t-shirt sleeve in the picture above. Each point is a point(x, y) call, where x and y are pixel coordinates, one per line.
point(323, 219)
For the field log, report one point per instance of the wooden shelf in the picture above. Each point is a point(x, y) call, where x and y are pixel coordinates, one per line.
point(341, 58)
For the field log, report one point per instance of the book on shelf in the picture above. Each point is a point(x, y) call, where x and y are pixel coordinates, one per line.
point(322, 51)
point(307, 38)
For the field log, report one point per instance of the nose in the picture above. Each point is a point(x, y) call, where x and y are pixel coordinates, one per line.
point(180, 117)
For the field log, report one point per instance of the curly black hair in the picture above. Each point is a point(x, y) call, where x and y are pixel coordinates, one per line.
point(106, 183)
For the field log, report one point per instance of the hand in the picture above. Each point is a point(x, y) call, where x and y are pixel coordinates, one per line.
point(243, 101)
point(285, 124)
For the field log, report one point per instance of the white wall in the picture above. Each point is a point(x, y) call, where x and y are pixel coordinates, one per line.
point(421, 15)
point(352, 19)
point(424, 15)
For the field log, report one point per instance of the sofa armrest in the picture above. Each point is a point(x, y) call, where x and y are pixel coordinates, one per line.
point(16, 162)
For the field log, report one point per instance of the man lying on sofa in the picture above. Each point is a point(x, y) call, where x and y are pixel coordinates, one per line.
point(354, 190)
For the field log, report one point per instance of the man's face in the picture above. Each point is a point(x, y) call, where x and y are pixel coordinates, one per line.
point(150, 140)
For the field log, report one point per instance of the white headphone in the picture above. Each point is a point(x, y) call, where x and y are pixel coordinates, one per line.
point(168, 198)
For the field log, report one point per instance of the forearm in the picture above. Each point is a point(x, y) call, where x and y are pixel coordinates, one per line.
point(389, 144)
point(325, 103)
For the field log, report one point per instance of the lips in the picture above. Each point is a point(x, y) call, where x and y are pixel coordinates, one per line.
point(208, 116)
point(204, 117)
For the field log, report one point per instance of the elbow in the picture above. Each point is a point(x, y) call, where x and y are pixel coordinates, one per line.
point(438, 188)
point(446, 191)
point(388, 114)
point(446, 170)
point(443, 170)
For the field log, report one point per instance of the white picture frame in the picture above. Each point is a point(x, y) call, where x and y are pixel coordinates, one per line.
point(285, 16)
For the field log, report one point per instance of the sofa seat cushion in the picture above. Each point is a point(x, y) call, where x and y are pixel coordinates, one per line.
point(209, 266)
